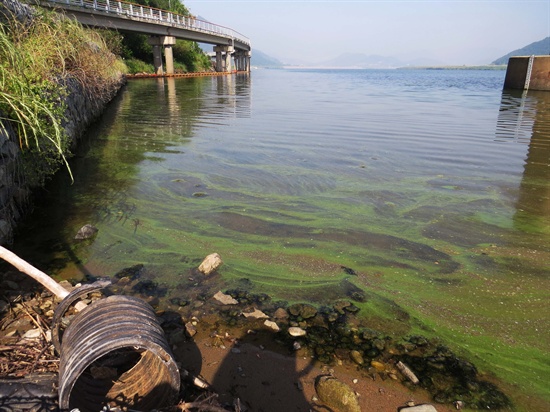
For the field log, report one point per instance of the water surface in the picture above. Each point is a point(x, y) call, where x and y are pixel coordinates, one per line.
point(426, 189)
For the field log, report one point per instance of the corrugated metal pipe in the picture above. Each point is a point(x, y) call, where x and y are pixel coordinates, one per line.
point(113, 353)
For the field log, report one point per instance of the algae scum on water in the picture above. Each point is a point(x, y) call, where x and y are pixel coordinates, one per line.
point(420, 205)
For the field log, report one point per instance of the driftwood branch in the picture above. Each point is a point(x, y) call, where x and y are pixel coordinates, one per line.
point(37, 275)
point(409, 374)
point(34, 273)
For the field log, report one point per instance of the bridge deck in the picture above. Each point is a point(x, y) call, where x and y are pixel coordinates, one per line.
point(124, 16)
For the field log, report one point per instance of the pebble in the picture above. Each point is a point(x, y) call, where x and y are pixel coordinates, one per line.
point(336, 394)
point(272, 325)
point(356, 356)
point(379, 366)
point(280, 314)
point(225, 299)
point(296, 331)
point(32, 334)
point(190, 329)
point(256, 314)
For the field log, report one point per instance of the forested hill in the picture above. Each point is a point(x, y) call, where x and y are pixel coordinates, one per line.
point(537, 48)
point(261, 59)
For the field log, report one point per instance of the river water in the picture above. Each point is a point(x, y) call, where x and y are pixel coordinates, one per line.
point(426, 190)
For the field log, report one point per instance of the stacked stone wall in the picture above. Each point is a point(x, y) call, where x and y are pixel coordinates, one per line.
point(82, 110)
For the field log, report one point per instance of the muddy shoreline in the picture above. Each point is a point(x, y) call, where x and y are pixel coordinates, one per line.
point(243, 358)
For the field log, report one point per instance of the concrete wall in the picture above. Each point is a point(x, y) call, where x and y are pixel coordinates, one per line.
point(516, 73)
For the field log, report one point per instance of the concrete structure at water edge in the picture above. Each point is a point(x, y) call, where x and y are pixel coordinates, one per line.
point(528, 73)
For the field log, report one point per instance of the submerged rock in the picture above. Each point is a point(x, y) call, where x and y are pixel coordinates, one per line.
point(132, 272)
point(86, 232)
point(302, 310)
point(210, 263)
point(336, 394)
point(225, 299)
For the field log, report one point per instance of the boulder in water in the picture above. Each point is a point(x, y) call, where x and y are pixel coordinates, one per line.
point(86, 232)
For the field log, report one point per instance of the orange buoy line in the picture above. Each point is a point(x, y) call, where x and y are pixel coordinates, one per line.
point(195, 74)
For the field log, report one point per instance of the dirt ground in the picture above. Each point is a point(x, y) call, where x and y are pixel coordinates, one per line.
point(266, 380)
point(245, 367)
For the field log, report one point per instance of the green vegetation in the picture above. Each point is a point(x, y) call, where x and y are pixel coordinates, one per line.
point(138, 66)
point(36, 61)
point(188, 56)
point(537, 48)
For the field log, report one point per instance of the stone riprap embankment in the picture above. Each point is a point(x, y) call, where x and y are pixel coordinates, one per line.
point(82, 110)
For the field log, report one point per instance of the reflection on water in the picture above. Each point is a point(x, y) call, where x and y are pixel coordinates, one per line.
point(533, 205)
point(430, 188)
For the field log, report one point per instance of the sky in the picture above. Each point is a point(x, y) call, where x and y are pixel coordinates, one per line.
point(450, 32)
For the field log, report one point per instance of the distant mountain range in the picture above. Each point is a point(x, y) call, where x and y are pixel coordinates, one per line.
point(373, 61)
point(260, 59)
point(537, 48)
point(347, 60)
point(364, 61)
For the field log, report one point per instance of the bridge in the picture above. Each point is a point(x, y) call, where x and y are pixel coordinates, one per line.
point(163, 27)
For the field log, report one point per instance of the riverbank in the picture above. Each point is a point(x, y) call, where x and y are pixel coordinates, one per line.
point(51, 93)
point(246, 366)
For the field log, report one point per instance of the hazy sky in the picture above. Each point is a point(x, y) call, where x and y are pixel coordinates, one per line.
point(452, 32)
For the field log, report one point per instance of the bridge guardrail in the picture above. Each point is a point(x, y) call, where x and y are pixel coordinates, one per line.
point(145, 13)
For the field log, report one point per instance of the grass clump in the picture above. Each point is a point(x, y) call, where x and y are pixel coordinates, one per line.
point(37, 61)
point(138, 66)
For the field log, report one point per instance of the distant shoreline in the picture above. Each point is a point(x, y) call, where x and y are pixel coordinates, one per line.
point(481, 67)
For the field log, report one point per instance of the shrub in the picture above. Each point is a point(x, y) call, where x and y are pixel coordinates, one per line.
point(138, 66)
point(35, 60)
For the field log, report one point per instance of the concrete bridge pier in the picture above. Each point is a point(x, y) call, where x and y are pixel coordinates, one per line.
point(166, 42)
point(242, 60)
point(223, 58)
